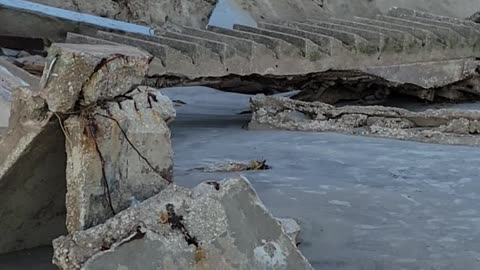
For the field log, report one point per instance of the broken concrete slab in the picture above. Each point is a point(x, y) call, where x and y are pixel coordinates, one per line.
point(118, 136)
point(92, 72)
point(117, 153)
point(32, 175)
point(11, 77)
point(209, 227)
point(443, 126)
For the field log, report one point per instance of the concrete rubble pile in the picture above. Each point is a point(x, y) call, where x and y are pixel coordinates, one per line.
point(443, 126)
point(80, 83)
point(89, 145)
point(214, 226)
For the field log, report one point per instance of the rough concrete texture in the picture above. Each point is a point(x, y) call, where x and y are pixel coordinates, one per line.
point(444, 126)
point(32, 175)
point(90, 73)
point(209, 227)
point(152, 12)
point(117, 153)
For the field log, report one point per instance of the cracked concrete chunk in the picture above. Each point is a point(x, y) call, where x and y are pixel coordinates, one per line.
point(90, 73)
point(32, 175)
point(116, 153)
point(435, 126)
point(291, 227)
point(203, 228)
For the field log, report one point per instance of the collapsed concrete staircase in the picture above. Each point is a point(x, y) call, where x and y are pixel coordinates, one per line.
point(404, 46)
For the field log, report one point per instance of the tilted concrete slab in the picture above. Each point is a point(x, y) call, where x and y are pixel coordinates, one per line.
point(209, 227)
point(428, 74)
point(431, 126)
point(32, 175)
point(406, 37)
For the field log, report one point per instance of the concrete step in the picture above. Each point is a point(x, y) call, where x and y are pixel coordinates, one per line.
point(409, 41)
point(170, 60)
point(75, 38)
point(328, 43)
point(157, 50)
point(275, 44)
point(249, 55)
point(309, 50)
point(187, 48)
point(203, 58)
point(219, 48)
point(351, 41)
point(469, 32)
point(242, 46)
point(382, 42)
point(428, 38)
point(319, 44)
point(449, 37)
point(420, 14)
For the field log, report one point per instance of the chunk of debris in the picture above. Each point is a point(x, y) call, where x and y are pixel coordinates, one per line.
point(475, 17)
point(91, 73)
point(291, 227)
point(33, 64)
point(185, 229)
point(235, 166)
point(443, 126)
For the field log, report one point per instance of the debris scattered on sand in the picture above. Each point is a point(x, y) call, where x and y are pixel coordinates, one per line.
point(237, 166)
